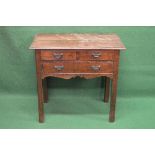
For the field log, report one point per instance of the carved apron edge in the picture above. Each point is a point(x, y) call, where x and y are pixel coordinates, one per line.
point(70, 76)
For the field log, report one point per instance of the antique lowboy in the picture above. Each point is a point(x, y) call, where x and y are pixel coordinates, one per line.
point(77, 55)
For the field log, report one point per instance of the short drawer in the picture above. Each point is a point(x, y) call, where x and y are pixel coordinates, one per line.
point(58, 55)
point(96, 55)
point(58, 67)
point(94, 67)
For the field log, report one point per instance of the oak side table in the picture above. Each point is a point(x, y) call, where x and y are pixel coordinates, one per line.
point(77, 55)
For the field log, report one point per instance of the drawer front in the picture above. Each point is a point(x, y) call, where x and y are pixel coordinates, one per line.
point(96, 55)
point(58, 67)
point(94, 67)
point(58, 55)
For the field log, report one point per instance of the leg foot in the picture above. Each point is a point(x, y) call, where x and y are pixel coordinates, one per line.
point(112, 117)
point(41, 118)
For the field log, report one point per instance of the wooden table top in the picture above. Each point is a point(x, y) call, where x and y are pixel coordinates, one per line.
point(77, 41)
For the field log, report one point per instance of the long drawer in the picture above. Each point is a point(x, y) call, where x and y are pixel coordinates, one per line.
point(78, 67)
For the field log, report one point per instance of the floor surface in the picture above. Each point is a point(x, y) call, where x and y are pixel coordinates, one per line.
point(66, 109)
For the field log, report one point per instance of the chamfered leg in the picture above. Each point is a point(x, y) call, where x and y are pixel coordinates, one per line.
point(39, 86)
point(113, 100)
point(106, 89)
point(114, 87)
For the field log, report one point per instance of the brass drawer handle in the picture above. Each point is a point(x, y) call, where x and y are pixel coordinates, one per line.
point(59, 68)
point(96, 54)
point(95, 68)
point(58, 55)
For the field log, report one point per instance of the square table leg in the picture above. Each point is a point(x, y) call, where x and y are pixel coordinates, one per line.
point(113, 100)
point(39, 86)
point(114, 87)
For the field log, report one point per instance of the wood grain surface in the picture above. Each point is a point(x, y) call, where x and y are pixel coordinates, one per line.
point(77, 41)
